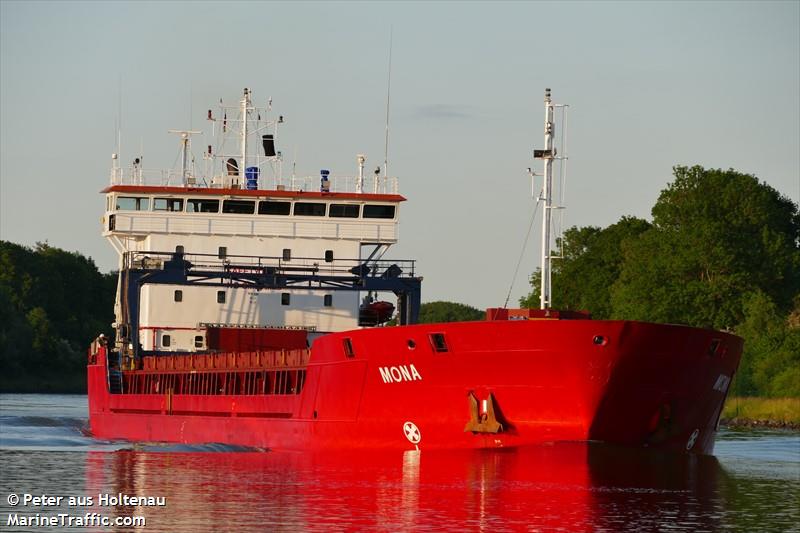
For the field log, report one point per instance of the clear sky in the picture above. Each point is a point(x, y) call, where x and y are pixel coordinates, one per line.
point(650, 85)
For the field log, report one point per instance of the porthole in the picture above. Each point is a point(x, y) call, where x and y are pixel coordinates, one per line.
point(600, 340)
point(411, 344)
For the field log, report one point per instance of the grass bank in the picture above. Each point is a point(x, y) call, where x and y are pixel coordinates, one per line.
point(768, 412)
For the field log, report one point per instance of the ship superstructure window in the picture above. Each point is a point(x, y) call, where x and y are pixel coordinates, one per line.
point(202, 205)
point(198, 341)
point(129, 203)
point(309, 209)
point(222, 252)
point(378, 211)
point(166, 340)
point(239, 207)
point(268, 207)
point(344, 211)
point(178, 295)
point(329, 256)
point(327, 300)
point(179, 249)
point(287, 254)
point(168, 204)
point(286, 298)
point(220, 297)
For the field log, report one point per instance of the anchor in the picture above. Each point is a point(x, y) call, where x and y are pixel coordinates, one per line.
point(482, 419)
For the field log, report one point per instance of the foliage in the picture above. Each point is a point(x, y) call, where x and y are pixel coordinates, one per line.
point(52, 304)
point(590, 264)
point(723, 252)
point(433, 312)
point(716, 237)
point(771, 362)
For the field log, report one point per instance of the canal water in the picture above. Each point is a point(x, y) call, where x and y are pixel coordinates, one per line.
point(751, 484)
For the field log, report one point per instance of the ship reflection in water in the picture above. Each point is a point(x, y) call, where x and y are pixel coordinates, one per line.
point(563, 487)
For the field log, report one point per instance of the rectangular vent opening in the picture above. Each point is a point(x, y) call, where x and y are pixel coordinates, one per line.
point(438, 342)
point(348, 348)
point(712, 350)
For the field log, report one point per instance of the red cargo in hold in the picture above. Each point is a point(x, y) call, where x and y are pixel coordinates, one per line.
point(246, 339)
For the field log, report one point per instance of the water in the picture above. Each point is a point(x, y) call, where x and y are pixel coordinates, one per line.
point(752, 484)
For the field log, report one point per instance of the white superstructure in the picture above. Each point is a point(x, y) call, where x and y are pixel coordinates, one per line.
point(240, 211)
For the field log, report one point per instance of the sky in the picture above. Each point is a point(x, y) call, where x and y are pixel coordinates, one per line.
point(650, 85)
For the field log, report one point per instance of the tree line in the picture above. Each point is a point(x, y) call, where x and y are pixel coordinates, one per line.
point(52, 304)
point(722, 252)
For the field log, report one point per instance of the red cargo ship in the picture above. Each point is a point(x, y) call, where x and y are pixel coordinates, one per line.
point(218, 341)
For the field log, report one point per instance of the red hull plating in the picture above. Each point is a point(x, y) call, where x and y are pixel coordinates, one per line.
point(621, 382)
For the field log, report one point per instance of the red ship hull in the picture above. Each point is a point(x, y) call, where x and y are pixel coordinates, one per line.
point(629, 383)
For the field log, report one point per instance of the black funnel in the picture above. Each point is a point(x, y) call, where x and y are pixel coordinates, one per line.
point(269, 145)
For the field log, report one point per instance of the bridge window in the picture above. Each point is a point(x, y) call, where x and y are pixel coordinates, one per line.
point(220, 297)
point(309, 209)
point(202, 205)
point(267, 207)
point(168, 204)
point(327, 300)
point(128, 203)
point(178, 295)
point(286, 298)
point(378, 211)
point(239, 207)
point(344, 211)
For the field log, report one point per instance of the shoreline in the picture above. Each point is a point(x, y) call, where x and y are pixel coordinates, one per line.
point(749, 423)
point(745, 412)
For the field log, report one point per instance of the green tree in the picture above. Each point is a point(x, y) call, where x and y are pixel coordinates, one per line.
point(433, 312)
point(52, 304)
point(590, 262)
point(770, 365)
point(717, 236)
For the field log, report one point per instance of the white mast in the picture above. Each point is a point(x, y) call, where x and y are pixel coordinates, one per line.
point(360, 183)
point(185, 150)
point(547, 197)
point(245, 107)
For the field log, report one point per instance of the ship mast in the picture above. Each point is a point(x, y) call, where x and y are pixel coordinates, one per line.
point(245, 108)
point(547, 196)
point(185, 152)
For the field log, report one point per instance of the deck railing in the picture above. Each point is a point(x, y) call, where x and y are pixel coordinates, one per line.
point(173, 178)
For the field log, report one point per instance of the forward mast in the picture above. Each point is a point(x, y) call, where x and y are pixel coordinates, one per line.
point(549, 154)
